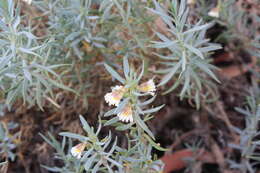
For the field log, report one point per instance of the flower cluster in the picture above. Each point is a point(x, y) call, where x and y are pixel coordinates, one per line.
point(118, 92)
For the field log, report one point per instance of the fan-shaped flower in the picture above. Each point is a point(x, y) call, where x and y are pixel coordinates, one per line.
point(28, 1)
point(114, 97)
point(214, 12)
point(126, 115)
point(147, 87)
point(191, 2)
point(77, 150)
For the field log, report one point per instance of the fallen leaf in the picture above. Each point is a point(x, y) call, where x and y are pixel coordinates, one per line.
point(175, 161)
point(233, 70)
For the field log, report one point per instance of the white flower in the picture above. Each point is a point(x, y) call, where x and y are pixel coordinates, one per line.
point(126, 115)
point(28, 1)
point(77, 150)
point(214, 12)
point(114, 97)
point(190, 2)
point(147, 87)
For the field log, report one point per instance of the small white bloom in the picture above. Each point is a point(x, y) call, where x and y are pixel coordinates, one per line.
point(77, 150)
point(148, 87)
point(191, 2)
point(28, 1)
point(114, 97)
point(214, 12)
point(126, 115)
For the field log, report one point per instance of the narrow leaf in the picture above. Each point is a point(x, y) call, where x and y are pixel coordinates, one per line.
point(114, 74)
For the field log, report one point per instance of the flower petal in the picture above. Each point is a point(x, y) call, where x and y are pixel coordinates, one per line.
point(148, 87)
point(126, 115)
point(114, 97)
point(214, 12)
point(77, 150)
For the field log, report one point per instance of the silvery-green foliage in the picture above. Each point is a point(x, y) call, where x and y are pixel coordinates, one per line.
point(3, 163)
point(71, 24)
point(141, 113)
point(2, 108)
point(248, 136)
point(256, 44)
point(103, 154)
point(195, 147)
point(62, 153)
point(187, 62)
point(99, 154)
point(7, 144)
point(128, 19)
point(236, 22)
point(138, 156)
point(230, 16)
point(24, 68)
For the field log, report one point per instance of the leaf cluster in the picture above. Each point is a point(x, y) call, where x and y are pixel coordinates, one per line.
point(187, 62)
point(7, 141)
point(24, 70)
point(103, 155)
point(248, 136)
